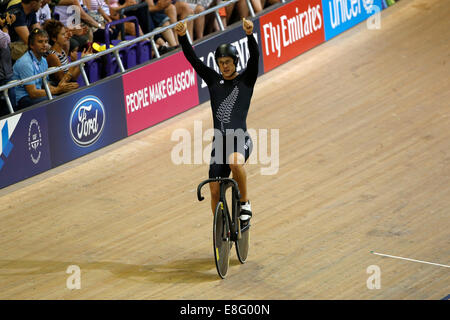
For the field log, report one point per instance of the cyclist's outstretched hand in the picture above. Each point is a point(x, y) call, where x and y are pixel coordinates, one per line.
point(247, 25)
point(180, 28)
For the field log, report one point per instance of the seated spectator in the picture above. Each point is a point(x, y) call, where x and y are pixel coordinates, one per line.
point(112, 8)
point(267, 3)
point(211, 24)
point(33, 63)
point(115, 6)
point(99, 10)
point(160, 12)
point(94, 9)
point(6, 71)
point(195, 7)
point(80, 38)
point(58, 54)
point(146, 23)
point(25, 13)
point(242, 10)
point(72, 14)
point(183, 10)
point(258, 5)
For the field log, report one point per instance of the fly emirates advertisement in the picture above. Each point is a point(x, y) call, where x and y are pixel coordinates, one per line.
point(291, 30)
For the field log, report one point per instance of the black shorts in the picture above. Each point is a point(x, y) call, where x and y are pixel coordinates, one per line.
point(219, 166)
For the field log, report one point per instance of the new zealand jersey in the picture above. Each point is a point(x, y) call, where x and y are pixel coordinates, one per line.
point(230, 99)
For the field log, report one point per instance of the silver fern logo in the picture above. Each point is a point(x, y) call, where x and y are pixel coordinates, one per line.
point(226, 108)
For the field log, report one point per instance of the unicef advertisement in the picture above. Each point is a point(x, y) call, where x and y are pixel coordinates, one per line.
point(24, 147)
point(340, 15)
point(84, 122)
point(237, 37)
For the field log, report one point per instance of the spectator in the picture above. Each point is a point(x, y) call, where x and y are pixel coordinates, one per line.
point(97, 13)
point(183, 10)
point(146, 22)
point(211, 24)
point(195, 7)
point(115, 6)
point(44, 13)
point(242, 9)
point(258, 5)
point(80, 38)
point(58, 54)
point(32, 63)
point(101, 12)
point(25, 13)
point(80, 24)
point(159, 13)
point(72, 14)
point(267, 3)
point(6, 71)
point(112, 8)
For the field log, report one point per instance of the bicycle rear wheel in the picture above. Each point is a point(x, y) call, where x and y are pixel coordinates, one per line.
point(242, 244)
point(221, 239)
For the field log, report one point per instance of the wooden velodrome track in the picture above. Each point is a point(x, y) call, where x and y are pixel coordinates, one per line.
point(364, 152)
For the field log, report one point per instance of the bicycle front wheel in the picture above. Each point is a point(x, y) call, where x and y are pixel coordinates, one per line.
point(221, 240)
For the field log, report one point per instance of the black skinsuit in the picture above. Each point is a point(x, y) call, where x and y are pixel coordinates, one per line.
point(230, 101)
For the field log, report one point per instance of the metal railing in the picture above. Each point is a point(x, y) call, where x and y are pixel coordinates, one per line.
point(115, 51)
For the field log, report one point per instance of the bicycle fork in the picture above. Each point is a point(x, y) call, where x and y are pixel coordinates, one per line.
point(225, 231)
point(236, 226)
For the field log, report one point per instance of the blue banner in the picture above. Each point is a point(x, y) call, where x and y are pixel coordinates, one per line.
point(340, 15)
point(24, 146)
point(86, 121)
point(236, 36)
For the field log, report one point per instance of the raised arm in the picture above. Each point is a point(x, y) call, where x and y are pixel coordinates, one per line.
point(203, 71)
point(251, 73)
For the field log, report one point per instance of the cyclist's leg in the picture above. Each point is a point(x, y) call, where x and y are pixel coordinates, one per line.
point(217, 168)
point(214, 187)
point(236, 161)
point(215, 171)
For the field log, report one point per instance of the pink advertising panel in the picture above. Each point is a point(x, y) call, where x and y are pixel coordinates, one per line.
point(159, 91)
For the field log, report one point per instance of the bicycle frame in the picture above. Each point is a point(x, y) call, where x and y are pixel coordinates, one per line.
point(225, 183)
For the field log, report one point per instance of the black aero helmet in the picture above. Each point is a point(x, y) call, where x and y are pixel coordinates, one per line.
point(227, 50)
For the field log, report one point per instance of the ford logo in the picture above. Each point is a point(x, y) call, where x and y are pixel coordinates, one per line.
point(87, 121)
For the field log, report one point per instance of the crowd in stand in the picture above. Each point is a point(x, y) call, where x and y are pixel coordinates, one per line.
point(38, 34)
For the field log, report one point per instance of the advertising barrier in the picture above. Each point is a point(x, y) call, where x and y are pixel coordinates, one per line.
point(291, 30)
point(237, 37)
point(340, 15)
point(24, 148)
point(86, 121)
point(158, 91)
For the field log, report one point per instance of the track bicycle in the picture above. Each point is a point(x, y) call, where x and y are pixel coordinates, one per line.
point(227, 227)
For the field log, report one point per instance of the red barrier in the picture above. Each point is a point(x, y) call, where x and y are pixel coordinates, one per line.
point(291, 30)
